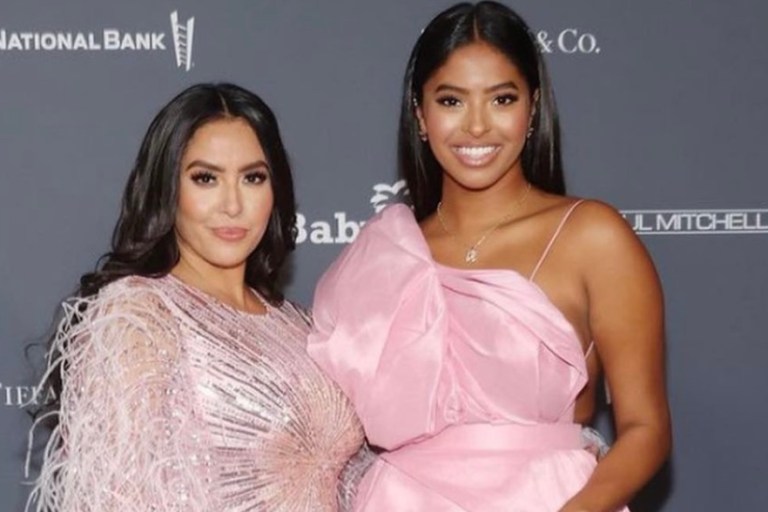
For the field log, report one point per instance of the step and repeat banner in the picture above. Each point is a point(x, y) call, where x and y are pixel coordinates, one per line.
point(663, 107)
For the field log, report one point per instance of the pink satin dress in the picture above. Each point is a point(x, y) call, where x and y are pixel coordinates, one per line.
point(466, 379)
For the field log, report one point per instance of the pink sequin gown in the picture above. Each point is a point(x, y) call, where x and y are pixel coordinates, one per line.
point(466, 379)
point(176, 401)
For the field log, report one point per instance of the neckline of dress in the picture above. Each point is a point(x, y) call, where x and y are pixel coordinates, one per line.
point(411, 219)
point(498, 270)
point(210, 298)
point(538, 289)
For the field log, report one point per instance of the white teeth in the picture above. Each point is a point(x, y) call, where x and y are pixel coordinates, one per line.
point(475, 151)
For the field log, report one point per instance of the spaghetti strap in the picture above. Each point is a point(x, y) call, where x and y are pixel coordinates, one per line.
point(551, 242)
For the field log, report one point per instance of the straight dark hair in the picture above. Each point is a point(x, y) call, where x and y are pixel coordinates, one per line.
point(499, 26)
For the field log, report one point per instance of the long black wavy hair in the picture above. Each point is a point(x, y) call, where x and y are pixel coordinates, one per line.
point(499, 26)
point(144, 241)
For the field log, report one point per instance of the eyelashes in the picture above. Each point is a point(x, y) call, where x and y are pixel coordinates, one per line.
point(203, 177)
point(256, 177)
point(207, 178)
point(501, 100)
point(448, 101)
point(506, 99)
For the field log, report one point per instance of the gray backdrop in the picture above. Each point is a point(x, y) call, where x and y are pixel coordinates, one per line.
point(662, 103)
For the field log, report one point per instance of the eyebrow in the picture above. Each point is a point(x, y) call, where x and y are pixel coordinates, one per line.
point(493, 88)
point(259, 164)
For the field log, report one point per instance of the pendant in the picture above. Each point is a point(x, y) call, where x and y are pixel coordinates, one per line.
point(471, 256)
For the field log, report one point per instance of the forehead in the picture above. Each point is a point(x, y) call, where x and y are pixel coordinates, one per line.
point(224, 135)
point(477, 65)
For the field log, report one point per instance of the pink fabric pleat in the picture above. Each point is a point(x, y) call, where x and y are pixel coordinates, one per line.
point(466, 379)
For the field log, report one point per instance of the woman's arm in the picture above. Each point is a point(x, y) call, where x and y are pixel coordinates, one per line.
point(626, 320)
point(127, 438)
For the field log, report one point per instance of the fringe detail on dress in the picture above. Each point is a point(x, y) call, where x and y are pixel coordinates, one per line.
point(125, 439)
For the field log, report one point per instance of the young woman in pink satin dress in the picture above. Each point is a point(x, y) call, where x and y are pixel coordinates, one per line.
point(186, 383)
point(470, 334)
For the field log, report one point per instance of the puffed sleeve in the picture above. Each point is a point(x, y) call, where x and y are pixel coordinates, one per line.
point(127, 438)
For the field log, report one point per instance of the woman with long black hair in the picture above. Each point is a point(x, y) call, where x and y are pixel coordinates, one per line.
point(182, 373)
point(474, 350)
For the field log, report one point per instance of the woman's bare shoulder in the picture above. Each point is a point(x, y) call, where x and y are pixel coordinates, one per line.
point(597, 225)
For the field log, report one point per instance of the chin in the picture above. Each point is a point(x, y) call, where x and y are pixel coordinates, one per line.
point(227, 264)
point(226, 261)
point(481, 181)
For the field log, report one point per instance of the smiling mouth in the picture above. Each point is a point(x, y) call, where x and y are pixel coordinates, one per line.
point(475, 156)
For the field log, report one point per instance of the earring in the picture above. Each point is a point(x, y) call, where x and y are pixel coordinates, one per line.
point(423, 136)
point(530, 131)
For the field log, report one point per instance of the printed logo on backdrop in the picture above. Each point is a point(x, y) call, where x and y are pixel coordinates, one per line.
point(25, 396)
point(698, 222)
point(106, 39)
point(568, 41)
point(340, 229)
point(182, 40)
point(385, 194)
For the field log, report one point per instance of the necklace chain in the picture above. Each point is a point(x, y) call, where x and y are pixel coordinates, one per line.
point(471, 254)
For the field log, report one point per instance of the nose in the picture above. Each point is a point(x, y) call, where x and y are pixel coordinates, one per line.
point(232, 200)
point(476, 122)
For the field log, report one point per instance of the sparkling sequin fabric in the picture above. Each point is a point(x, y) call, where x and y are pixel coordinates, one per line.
point(174, 401)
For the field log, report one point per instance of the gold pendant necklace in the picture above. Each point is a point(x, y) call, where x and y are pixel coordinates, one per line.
point(471, 254)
